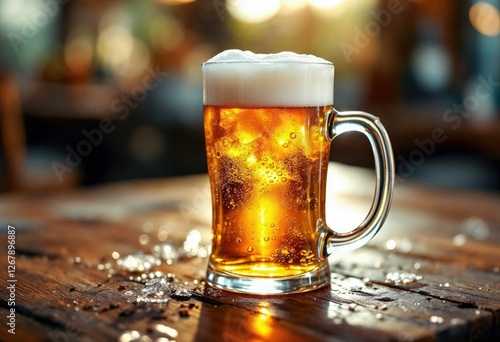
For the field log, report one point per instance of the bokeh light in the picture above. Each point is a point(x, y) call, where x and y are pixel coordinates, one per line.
point(326, 4)
point(175, 2)
point(485, 18)
point(119, 50)
point(253, 11)
point(78, 51)
point(292, 6)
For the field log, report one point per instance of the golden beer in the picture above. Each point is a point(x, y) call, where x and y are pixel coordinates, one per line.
point(267, 170)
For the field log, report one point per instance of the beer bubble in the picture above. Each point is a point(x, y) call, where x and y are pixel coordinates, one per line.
point(266, 238)
point(272, 225)
point(273, 238)
point(285, 145)
point(238, 240)
point(264, 159)
point(293, 135)
point(250, 249)
point(217, 154)
point(290, 261)
point(283, 179)
point(225, 142)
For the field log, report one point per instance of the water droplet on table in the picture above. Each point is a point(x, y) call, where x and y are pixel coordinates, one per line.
point(155, 291)
point(437, 319)
point(390, 244)
point(459, 240)
point(164, 329)
point(182, 294)
point(138, 262)
point(476, 227)
point(398, 278)
point(129, 336)
point(166, 252)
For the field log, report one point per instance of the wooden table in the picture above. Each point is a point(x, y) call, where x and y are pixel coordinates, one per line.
point(432, 273)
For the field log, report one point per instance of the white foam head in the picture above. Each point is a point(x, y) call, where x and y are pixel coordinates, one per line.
point(236, 78)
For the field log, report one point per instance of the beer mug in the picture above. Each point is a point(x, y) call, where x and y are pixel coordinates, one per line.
point(269, 121)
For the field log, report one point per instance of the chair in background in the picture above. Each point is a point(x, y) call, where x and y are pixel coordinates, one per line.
point(24, 170)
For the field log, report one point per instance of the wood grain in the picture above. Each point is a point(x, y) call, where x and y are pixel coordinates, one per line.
point(66, 291)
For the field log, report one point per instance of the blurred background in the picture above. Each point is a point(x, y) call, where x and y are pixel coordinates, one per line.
point(94, 91)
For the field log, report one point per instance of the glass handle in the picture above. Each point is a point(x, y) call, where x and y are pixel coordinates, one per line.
point(370, 126)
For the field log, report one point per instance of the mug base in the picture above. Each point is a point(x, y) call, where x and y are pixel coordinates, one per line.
point(269, 286)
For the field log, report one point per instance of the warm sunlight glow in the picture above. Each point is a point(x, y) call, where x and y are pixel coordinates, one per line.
point(485, 18)
point(292, 6)
point(326, 4)
point(175, 2)
point(253, 11)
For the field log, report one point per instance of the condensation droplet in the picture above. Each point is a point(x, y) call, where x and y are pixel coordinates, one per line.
point(250, 249)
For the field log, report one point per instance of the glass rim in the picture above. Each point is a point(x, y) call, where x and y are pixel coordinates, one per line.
point(268, 62)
